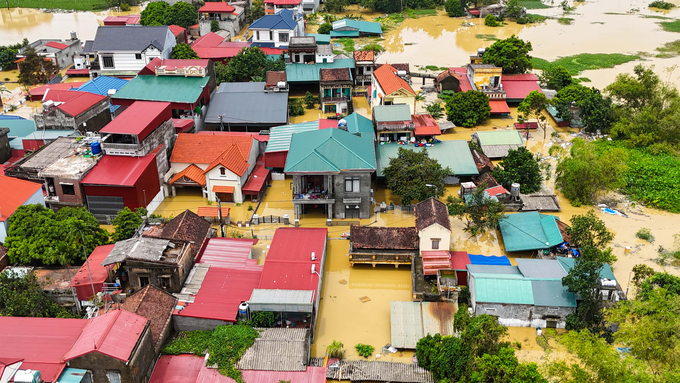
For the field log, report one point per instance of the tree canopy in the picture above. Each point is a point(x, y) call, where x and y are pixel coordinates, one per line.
point(595, 111)
point(325, 28)
point(183, 51)
point(555, 77)
point(22, 296)
point(161, 13)
point(8, 54)
point(511, 54)
point(35, 69)
point(455, 8)
point(588, 230)
point(468, 109)
point(249, 64)
point(409, 174)
point(39, 236)
point(480, 212)
point(535, 106)
point(519, 166)
point(154, 13)
point(126, 223)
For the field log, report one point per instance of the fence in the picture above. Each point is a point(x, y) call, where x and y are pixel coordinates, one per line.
point(345, 223)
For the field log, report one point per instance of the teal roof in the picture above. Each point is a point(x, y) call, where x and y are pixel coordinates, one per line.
point(506, 290)
point(553, 113)
point(568, 264)
point(163, 88)
point(329, 150)
point(387, 113)
point(455, 154)
point(18, 128)
point(296, 73)
point(320, 38)
point(72, 375)
point(529, 231)
point(552, 293)
point(357, 123)
point(280, 136)
point(500, 137)
point(357, 25)
point(344, 34)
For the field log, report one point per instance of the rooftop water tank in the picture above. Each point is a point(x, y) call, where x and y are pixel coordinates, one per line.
point(27, 376)
point(243, 308)
point(401, 73)
point(514, 191)
point(96, 148)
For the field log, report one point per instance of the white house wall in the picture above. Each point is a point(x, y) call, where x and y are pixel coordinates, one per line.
point(214, 178)
point(434, 231)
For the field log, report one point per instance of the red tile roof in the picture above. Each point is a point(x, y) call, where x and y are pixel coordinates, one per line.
point(425, 125)
point(499, 107)
point(519, 86)
point(335, 74)
point(389, 81)
point(186, 369)
point(140, 119)
point(259, 137)
point(191, 172)
point(216, 8)
point(99, 273)
point(256, 181)
point(56, 45)
point(114, 334)
point(222, 189)
point(14, 193)
point(40, 342)
point(233, 158)
point(496, 190)
point(432, 211)
point(155, 305)
point(119, 170)
point(274, 77)
point(384, 238)
point(74, 102)
point(210, 211)
point(204, 149)
point(229, 253)
point(176, 29)
point(150, 68)
point(364, 56)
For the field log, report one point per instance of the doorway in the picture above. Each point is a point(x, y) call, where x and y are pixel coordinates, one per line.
point(351, 211)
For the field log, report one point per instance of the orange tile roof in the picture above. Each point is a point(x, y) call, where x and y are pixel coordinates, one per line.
point(205, 148)
point(211, 211)
point(364, 56)
point(191, 172)
point(389, 81)
point(223, 189)
point(232, 159)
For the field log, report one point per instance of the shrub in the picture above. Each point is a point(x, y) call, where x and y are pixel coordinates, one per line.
point(365, 350)
point(124, 7)
point(645, 234)
point(661, 5)
point(491, 21)
point(295, 107)
point(325, 28)
point(335, 350)
point(214, 26)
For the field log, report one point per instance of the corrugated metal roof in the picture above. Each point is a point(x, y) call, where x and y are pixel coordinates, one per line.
point(278, 349)
point(119, 170)
point(320, 39)
point(282, 300)
point(455, 154)
point(489, 269)
point(247, 103)
point(74, 102)
point(114, 334)
point(329, 150)
point(497, 290)
point(181, 369)
point(297, 73)
point(95, 270)
point(387, 113)
point(500, 137)
point(552, 293)
point(281, 20)
point(335, 34)
point(357, 123)
point(500, 260)
point(72, 375)
point(540, 268)
point(232, 253)
point(14, 193)
point(212, 211)
point(410, 321)
point(568, 264)
point(361, 26)
point(163, 88)
point(280, 136)
point(529, 231)
point(141, 118)
point(256, 180)
point(216, 8)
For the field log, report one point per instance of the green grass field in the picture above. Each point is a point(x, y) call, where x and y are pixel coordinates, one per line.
point(671, 26)
point(586, 61)
point(76, 5)
point(670, 49)
point(533, 4)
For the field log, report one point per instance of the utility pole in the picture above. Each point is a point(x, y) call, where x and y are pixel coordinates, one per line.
point(219, 214)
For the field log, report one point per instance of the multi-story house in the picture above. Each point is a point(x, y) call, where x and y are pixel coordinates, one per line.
point(336, 90)
point(60, 52)
point(275, 31)
point(389, 87)
point(364, 65)
point(229, 18)
point(272, 7)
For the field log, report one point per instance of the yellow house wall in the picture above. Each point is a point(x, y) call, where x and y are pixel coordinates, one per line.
point(483, 75)
point(397, 98)
point(434, 231)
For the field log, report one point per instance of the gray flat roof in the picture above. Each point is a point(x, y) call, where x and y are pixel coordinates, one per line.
point(144, 248)
point(454, 154)
point(540, 268)
point(298, 301)
point(247, 103)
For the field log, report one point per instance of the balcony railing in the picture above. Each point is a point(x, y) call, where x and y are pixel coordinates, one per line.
point(336, 99)
point(310, 196)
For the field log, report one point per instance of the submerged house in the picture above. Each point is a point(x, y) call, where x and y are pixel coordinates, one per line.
point(355, 28)
point(389, 87)
point(276, 30)
point(336, 90)
point(73, 110)
point(393, 123)
point(373, 245)
point(530, 231)
point(497, 144)
point(433, 225)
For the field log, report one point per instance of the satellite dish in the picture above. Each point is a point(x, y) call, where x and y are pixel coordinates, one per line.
point(413, 139)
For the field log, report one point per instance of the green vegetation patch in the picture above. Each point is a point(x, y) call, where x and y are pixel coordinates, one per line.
point(390, 21)
point(585, 61)
point(532, 18)
point(76, 5)
point(487, 37)
point(661, 5)
point(670, 49)
point(225, 345)
point(671, 26)
point(565, 20)
point(656, 17)
point(533, 4)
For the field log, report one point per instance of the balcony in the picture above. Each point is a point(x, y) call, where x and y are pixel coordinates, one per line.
point(337, 99)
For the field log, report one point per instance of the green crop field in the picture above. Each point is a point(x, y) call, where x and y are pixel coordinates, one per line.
point(586, 61)
point(76, 5)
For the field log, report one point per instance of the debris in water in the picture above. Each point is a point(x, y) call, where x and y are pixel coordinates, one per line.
point(342, 282)
point(364, 299)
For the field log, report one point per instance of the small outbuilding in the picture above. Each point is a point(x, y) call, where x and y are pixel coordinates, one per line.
point(497, 144)
point(530, 231)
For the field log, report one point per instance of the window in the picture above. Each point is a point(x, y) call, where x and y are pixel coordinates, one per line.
point(257, 35)
point(113, 376)
point(107, 61)
point(164, 282)
point(68, 189)
point(491, 310)
point(138, 56)
point(435, 243)
point(352, 184)
point(143, 281)
point(283, 37)
point(223, 171)
point(271, 35)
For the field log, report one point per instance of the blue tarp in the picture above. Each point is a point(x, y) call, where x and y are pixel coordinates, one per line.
point(489, 260)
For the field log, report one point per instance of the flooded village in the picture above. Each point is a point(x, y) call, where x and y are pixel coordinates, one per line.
point(294, 191)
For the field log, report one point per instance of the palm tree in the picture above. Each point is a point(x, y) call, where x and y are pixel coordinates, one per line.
point(419, 97)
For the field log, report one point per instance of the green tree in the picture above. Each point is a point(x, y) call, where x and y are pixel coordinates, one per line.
point(214, 26)
point(584, 174)
point(8, 54)
point(670, 283)
point(468, 109)
point(514, 9)
point(295, 107)
point(462, 318)
point(182, 14)
point(491, 21)
point(511, 54)
point(588, 230)
point(555, 77)
point(455, 8)
point(505, 368)
point(38, 236)
point(154, 13)
point(126, 223)
point(310, 100)
point(641, 273)
point(249, 63)
point(519, 166)
point(414, 176)
point(435, 110)
point(335, 6)
point(376, 48)
point(534, 106)
point(570, 95)
point(183, 51)
point(22, 296)
point(256, 11)
point(325, 28)
point(479, 212)
point(35, 69)
point(584, 279)
point(597, 113)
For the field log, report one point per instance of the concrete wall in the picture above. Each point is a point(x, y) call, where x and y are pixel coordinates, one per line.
point(155, 271)
point(341, 196)
point(482, 76)
point(163, 134)
point(525, 315)
point(230, 23)
point(92, 120)
point(138, 369)
point(183, 323)
point(215, 178)
point(400, 97)
point(434, 231)
point(127, 61)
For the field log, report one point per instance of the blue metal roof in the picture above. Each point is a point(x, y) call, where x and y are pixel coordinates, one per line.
point(10, 117)
point(282, 20)
point(489, 260)
point(101, 85)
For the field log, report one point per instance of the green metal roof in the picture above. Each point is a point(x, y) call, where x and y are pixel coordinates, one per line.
point(387, 113)
point(529, 231)
point(297, 73)
point(329, 150)
point(500, 137)
point(344, 34)
point(357, 123)
point(554, 112)
point(568, 264)
point(552, 293)
point(361, 26)
point(455, 154)
point(320, 38)
point(280, 136)
point(163, 88)
point(497, 290)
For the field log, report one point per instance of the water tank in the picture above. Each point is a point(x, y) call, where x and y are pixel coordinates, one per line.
point(111, 92)
point(401, 73)
point(243, 308)
point(27, 376)
point(74, 35)
point(514, 191)
point(481, 51)
point(96, 148)
point(342, 124)
point(281, 85)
